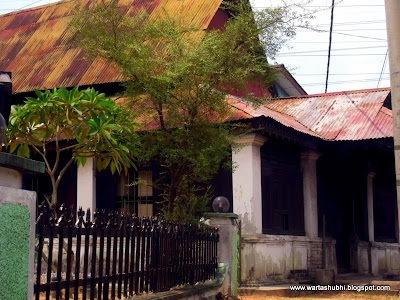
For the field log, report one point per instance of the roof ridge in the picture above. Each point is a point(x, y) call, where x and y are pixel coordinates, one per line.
point(335, 93)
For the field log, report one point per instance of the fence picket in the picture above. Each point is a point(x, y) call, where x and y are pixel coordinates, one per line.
point(87, 225)
point(100, 286)
point(120, 255)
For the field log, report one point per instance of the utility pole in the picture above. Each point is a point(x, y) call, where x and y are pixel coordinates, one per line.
point(392, 8)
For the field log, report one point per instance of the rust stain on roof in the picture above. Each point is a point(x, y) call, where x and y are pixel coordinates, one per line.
point(344, 116)
point(34, 43)
point(339, 116)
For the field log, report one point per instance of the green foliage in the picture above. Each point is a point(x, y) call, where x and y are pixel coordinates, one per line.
point(84, 123)
point(177, 76)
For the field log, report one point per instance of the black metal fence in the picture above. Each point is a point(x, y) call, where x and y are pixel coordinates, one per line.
point(116, 255)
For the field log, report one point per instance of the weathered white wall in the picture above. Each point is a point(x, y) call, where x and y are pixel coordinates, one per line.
point(246, 180)
point(10, 178)
point(86, 185)
point(270, 258)
point(376, 258)
point(385, 258)
point(359, 257)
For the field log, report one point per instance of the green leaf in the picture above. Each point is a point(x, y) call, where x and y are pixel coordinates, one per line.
point(13, 146)
point(93, 131)
point(91, 122)
point(105, 163)
point(112, 167)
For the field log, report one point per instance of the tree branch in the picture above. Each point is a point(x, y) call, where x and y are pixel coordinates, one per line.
point(57, 156)
point(63, 170)
point(159, 110)
point(68, 147)
point(43, 156)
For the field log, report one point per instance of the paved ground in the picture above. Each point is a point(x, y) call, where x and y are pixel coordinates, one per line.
point(341, 296)
point(279, 292)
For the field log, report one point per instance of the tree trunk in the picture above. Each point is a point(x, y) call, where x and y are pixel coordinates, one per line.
point(53, 201)
point(176, 178)
point(172, 194)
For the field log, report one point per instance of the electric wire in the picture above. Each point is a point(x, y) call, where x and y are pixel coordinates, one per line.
point(344, 81)
point(339, 32)
point(17, 9)
point(383, 67)
point(340, 74)
point(328, 6)
point(344, 54)
point(342, 49)
point(355, 23)
point(329, 50)
point(336, 42)
point(360, 36)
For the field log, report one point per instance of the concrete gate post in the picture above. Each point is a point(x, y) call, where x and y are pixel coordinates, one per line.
point(228, 230)
point(17, 228)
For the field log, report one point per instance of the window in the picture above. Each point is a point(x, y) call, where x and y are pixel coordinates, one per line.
point(135, 193)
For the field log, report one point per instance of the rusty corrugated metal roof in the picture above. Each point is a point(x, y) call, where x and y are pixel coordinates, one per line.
point(340, 116)
point(34, 42)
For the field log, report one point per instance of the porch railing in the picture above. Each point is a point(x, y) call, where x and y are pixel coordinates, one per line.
point(116, 255)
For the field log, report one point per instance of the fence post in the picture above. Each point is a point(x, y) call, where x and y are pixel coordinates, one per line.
point(17, 228)
point(227, 248)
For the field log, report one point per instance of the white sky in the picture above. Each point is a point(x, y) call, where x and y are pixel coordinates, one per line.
point(355, 68)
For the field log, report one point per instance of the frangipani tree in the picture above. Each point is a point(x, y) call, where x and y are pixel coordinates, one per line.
point(178, 75)
point(84, 123)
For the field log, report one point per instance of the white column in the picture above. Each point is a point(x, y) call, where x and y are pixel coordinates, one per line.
point(309, 170)
point(246, 180)
point(370, 204)
point(392, 9)
point(86, 185)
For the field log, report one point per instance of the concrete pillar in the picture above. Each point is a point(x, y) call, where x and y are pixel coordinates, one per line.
point(246, 180)
point(17, 243)
point(370, 204)
point(10, 178)
point(86, 185)
point(309, 170)
point(17, 228)
point(228, 231)
point(392, 9)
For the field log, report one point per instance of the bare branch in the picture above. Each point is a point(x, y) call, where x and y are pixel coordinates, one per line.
point(43, 156)
point(63, 170)
point(68, 147)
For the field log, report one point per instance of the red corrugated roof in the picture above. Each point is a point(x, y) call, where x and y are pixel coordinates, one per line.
point(339, 116)
point(34, 43)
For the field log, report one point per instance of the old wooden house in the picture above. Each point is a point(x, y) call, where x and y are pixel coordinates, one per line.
point(310, 157)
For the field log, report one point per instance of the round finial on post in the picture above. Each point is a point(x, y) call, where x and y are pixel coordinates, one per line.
point(221, 204)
